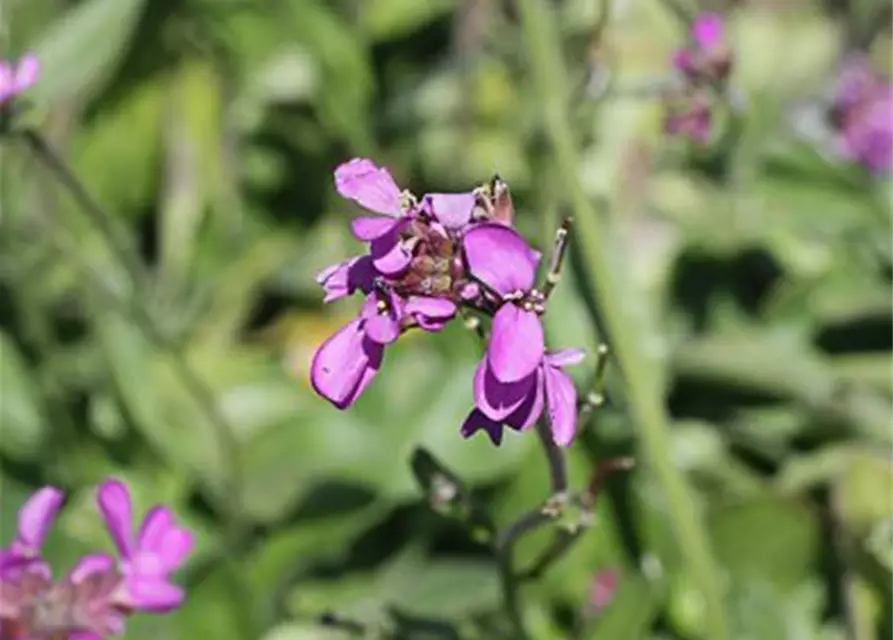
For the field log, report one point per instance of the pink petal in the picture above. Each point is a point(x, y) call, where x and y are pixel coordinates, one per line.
point(708, 30)
point(452, 210)
point(561, 398)
point(516, 344)
point(114, 503)
point(565, 357)
point(7, 79)
point(158, 521)
point(36, 516)
point(339, 365)
point(369, 186)
point(682, 60)
point(153, 595)
point(369, 228)
point(26, 73)
point(383, 329)
point(477, 421)
point(175, 548)
point(498, 400)
point(499, 257)
point(390, 257)
point(345, 278)
point(89, 566)
point(431, 313)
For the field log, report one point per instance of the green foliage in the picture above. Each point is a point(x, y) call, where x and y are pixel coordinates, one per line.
point(756, 275)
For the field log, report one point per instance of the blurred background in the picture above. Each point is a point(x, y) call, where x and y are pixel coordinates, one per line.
point(756, 271)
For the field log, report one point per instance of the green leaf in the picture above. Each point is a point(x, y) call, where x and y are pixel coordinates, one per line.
point(82, 48)
point(23, 427)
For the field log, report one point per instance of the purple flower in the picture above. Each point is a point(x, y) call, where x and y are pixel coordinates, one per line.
point(345, 278)
point(520, 404)
point(35, 519)
point(16, 79)
point(147, 560)
point(709, 57)
point(499, 257)
point(691, 118)
point(452, 210)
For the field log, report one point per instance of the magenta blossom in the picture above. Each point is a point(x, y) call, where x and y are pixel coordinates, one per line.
point(708, 58)
point(520, 404)
point(690, 117)
point(147, 560)
point(499, 257)
point(35, 519)
point(16, 79)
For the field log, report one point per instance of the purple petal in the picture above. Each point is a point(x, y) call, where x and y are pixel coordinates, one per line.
point(390, 257)
point(452, 210)
point(7, 78)
point(339, 365)
point(160, 536)
point(516, 344)
point(561, 398)
point(114, 503)
point(383, 329)
point(86, 635)
point(682, 60)
point(708, 30)
point(26, 73)
point(370, 228)
point(498, 400)
point(477, 421)
point(499, 257)
point(36, 517)
point(526, 415)
point(369, 186)
point(343, 279)
point(565, 357)
point(90, 565)
point(431, 314)
point(153, 595)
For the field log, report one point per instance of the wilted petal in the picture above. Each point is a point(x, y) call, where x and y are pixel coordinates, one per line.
point(369, 228)
point(114, 503)
point(26, 73)
point(565, 357)
point(339, 365)
point(516, 344)
point(345, 278)
point(369, 186)
point(708, 30)
point(91, 565)
point(498, 400)
point(477, 421)
point(36, 517)
point(499, 257)
point(682, 60)
point(452, 210)
point(561, 399)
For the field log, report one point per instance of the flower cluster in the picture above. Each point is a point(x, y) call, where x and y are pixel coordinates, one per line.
point(427, 259)
point(93, 601)
point(862, 116)
point(17, 78)
point(704, 67)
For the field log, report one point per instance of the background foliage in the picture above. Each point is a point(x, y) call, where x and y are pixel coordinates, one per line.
point(757, 275)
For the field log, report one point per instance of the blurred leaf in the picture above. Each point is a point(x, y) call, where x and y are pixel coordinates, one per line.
point(866, 490)
point(82, 48)
point(305, 631)
point(390, 19)
point(23, 427)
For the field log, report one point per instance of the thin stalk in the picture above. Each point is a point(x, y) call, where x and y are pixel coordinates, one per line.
point(643, 388)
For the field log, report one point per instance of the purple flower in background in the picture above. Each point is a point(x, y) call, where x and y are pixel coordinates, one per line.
point(520, 404)
point(147, 561)
point(603, 590)
point(17, 78)
point(94, 599)
point(862, 114)
point(709, 58)
point(690, 117)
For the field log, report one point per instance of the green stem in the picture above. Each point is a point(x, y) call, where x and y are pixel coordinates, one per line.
point(643, 387)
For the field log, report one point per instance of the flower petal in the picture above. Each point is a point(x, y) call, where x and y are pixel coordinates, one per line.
point(390, 257)
point(7, 78)
point(114, 503)
point(526, 415)
point(382, 328)
point(369, 186)
point(345, 278)
point(452, 210)
point(500, 258)
point(498, 400)
point(339, 364)
point(368, 228)
point(431, 314)
point(565, 357)
point(561, 399)
point(90, 565)
point(516, 344)
point(36, 517)
point(477, 421)
point(708, 30)
point(153, 595)
point(26, 73)
point(158, 521)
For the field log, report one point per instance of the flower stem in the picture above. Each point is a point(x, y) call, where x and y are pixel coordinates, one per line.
point(643, 386)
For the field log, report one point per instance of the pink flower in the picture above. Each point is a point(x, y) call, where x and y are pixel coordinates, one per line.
point(16, 79)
